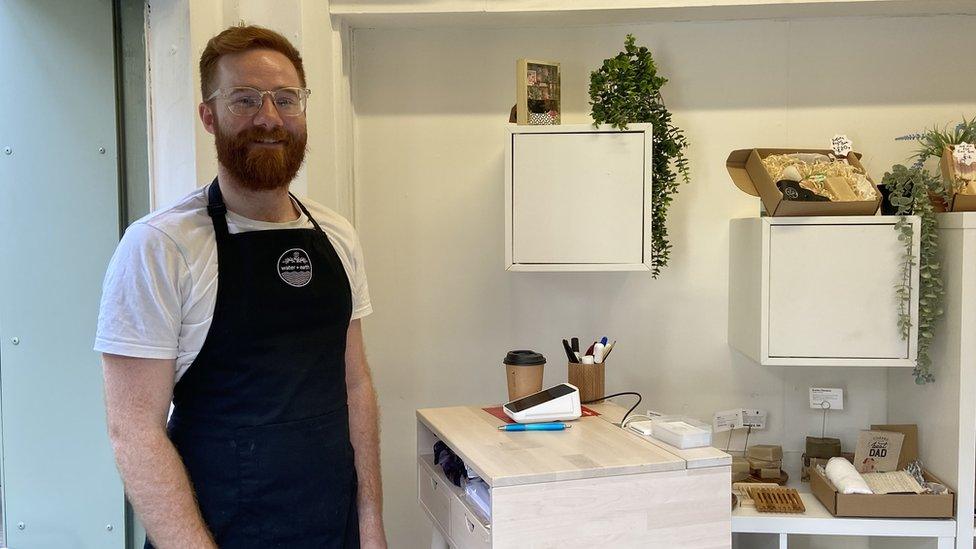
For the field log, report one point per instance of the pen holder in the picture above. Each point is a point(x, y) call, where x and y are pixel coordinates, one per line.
point(588, 378)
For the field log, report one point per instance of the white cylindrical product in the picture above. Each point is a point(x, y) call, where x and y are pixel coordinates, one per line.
point(845, 477)
point(588, 359)
point(598, 353)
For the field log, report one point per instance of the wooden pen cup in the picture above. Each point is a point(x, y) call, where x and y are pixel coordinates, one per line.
point(589, 379)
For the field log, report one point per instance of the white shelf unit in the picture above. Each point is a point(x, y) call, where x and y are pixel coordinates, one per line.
point(817, 521)
point(507, 13)
point(578, 198)
point(945, 411)
point(819, 291)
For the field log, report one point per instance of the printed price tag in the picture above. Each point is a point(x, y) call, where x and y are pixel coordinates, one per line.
point(754, 418)
point(727, 420)
point(822, 398)
point(739, 418)
point(841, 145)
point(964, 153)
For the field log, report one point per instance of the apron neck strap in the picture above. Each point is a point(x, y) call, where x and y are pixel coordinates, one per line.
point(305, 211)
point(218, 211)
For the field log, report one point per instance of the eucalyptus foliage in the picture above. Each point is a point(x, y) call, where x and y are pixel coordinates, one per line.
point(910, 195)
point(627, 89)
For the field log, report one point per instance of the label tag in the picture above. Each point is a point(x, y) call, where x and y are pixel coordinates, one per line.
point(964, 153)
point(841, 145)
point(727, 420)
point(738, 418)
point(823, 398)
point(754, 418)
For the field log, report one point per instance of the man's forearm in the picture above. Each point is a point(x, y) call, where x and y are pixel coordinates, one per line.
point(364, 434)
point(159, 489)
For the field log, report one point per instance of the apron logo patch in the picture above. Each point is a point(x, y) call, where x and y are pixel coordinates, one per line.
point(295, 268)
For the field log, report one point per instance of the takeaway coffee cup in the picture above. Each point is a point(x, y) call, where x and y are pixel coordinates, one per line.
point(524, 372)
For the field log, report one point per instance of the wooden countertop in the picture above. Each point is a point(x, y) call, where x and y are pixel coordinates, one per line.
point(593, 447)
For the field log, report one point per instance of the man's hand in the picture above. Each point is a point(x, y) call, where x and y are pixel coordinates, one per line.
point(365, 437)
point(138, 392)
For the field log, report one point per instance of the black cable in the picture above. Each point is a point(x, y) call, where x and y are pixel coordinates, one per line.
point(638, 395)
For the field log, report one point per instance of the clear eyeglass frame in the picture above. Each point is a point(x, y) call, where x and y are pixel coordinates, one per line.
point(247, 101)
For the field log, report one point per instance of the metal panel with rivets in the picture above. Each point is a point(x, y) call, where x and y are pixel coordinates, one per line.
point(59, 224)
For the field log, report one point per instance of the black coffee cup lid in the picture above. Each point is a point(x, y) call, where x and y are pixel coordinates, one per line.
point(524, 358)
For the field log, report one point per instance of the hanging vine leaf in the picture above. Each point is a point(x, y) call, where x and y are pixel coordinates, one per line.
point(627, 89)
point(910, 189)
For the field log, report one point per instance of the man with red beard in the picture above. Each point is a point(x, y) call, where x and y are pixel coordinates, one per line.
point(241, 306)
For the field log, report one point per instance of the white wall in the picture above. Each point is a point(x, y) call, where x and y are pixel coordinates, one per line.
point(430, 109)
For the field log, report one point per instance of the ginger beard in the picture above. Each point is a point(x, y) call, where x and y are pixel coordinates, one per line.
point(261, 167)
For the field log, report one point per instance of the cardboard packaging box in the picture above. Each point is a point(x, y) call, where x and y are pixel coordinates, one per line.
point(747, 171)
point(888, 505)
point(884, 506)
point(960, 202)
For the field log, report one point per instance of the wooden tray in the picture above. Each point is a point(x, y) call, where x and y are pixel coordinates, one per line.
point(777, 500)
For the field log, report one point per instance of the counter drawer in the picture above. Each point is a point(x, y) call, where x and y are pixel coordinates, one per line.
point(466, 529)
point(435, 496)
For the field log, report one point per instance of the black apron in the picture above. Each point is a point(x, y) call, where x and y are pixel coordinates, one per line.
point(260, 417)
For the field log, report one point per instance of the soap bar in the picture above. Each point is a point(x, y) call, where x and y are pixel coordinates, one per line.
point(825, 448)
point(740, 465)
point(769, 473)
point(766, 452)
point(740, 469)
point(757, 464)
point(841, 189)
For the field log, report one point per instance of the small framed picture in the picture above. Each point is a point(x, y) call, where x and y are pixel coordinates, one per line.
point(538, 92)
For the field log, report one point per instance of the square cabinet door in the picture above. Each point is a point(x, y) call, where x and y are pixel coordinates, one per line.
point(820, 291)
point(579, 200)
point(831, 292)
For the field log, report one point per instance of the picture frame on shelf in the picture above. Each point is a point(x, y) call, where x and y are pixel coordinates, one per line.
point(538, 97)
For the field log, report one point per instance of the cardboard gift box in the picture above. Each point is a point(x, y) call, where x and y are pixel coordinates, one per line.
point(884, 506)
point(960, 201)
point(748, 173)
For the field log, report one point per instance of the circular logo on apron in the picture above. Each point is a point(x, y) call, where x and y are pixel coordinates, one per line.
point(295, 268)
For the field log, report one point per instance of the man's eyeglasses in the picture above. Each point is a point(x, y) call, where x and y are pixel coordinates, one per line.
point(246, 101)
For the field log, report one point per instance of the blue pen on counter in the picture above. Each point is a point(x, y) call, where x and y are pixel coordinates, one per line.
point(549, 426)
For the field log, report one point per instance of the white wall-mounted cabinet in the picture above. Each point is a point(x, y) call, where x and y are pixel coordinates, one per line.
point(577, 198)
point(820, 291)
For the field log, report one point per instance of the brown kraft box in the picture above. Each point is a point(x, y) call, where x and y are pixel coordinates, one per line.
point(748, 173)
point(886, 506)
point(959, 202)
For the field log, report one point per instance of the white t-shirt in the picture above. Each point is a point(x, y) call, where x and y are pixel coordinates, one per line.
point(160, 289)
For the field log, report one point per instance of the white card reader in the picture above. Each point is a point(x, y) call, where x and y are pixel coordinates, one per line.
point(557, 403)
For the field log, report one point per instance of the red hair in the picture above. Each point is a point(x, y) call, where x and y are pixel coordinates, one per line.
point(242, 38)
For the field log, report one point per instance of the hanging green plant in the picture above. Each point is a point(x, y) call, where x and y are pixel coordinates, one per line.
point(627, 89)
point(910, 189)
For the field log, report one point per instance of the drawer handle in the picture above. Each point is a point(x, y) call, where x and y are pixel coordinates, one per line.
point(469, 524)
